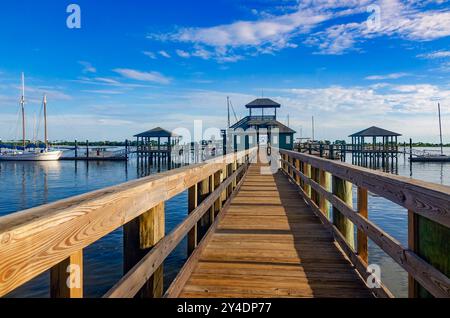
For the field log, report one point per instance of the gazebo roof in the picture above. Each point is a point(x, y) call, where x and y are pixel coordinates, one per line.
point(375, 132)
point(263, 103)
point(157, 132)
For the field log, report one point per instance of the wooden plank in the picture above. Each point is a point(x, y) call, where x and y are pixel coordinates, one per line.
point(363, 248)
point(192, 205)
point(427, 199)
point(343, 190)
point(135, 278)
point(35, 240)
point(251, 237)
point(140, 235)
point(360, 264)
point(178, 283)
point(412, 245)
point(66, 278)
point(429, 277)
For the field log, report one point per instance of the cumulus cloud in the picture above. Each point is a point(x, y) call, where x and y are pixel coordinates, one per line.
point(154, 77)
point(386, 77)
point(150, 54)
point(435, 55)
point(269, 33)
point(164, 54)
point(87, 67)
point(183, 54)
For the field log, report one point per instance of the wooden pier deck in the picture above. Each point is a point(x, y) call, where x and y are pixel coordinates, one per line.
point(294, 233)
point(270, 244)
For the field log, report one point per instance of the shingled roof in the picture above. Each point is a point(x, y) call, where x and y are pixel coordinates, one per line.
point(157, 132)
point(375, 132)
point(263, 103)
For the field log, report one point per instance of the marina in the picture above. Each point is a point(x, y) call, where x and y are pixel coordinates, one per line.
point(225, 156)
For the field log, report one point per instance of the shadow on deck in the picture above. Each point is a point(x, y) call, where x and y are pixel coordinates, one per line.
point(270, 244)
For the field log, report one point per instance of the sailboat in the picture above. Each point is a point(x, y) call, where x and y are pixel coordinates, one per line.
point(38, 154)
point(432, 157)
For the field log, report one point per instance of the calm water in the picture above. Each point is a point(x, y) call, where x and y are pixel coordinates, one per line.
point(32, 184)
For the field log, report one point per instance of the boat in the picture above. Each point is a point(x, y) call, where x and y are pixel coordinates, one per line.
point(37, 154)
point(428, 156)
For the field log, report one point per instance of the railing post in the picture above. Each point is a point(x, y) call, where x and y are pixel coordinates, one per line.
point(234, 168)
point(66, 278)
point(362, 247)
point(307, 173)
point(412, 245)
point(192, 204)
point(433, 246)
point(218, 179)
point(203, 193)
point(343, 190)
point(297, 166)
point(325, 182)
point(315, 175)
point(224, 195)
point(140, 235)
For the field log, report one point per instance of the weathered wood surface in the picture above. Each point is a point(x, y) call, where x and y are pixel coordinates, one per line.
point(424, 198)
point(270, 244)
point(437, 283)
point(136, 277)
point(35, 240)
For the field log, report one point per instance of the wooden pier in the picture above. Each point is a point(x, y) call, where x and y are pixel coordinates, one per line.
point(294, 233)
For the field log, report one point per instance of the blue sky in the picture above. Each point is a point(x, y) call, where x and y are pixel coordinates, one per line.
point(135, 65)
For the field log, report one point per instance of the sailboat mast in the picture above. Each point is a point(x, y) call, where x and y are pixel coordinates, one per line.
point(45, 122)
point(22, 103)
point(440, 129)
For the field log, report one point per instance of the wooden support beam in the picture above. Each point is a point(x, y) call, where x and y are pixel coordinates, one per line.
point(325, 182)
point(362, 247)
point(307, 172)
point(297, 166)
point(140, 235)
point(192, 204)
point(412, 245)
point(343, 190)
point(433, 246)
point(66, 278)
point(218, 179)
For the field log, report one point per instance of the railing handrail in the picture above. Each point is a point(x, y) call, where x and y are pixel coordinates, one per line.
point(417, 196)
point(428, 199)
point(35, 240)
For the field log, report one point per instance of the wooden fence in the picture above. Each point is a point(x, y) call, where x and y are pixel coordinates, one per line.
point(327, 187)
point(52, 237)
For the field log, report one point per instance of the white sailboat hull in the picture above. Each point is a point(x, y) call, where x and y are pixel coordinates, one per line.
point(32, 156)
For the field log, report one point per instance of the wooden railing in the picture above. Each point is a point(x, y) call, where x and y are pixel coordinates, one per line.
point(324, 182)
point(52, 237)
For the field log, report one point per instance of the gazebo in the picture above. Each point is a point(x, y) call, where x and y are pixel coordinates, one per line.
point(155, 144)
point(375, 145)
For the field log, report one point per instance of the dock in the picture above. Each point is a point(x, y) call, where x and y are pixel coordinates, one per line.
point(291, 233)
point(270, 244)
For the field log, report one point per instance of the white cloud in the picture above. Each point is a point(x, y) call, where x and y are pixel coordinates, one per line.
point(164, 54)
point(435, 55)
point(402, 19)
point(406, 19)
point(150, 54)
point(143, 76)
point(183, 54)
point(386, 77)
point(87, 67)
